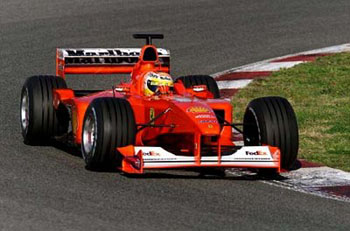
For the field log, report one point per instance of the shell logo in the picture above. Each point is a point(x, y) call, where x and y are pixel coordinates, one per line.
point(151, 114)
point(198, 109)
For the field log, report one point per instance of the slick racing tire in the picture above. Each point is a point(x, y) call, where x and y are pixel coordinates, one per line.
point(272, 121)
point(108, 123)
point(207, 80)
point(39, 119)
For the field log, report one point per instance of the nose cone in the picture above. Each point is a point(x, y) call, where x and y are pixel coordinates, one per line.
point(203, 118)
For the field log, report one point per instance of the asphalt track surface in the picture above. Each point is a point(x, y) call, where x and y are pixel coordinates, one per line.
point(46, 188)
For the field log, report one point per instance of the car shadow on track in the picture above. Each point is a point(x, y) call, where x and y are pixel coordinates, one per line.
point(207, 174)
point(70, 149)
point(162, 175)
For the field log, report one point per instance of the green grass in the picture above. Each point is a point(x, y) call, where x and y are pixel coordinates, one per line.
point(320, 95)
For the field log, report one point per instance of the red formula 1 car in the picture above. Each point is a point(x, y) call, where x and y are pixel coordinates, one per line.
point(153, 122)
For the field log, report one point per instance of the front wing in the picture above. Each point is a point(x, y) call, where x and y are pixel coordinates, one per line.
point(138, 158)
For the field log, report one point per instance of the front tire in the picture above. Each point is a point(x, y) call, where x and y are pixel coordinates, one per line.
point(272, 121)
point(108, 123)
point(39, 119)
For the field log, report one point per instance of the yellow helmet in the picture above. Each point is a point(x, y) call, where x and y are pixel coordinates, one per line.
point(152, 81)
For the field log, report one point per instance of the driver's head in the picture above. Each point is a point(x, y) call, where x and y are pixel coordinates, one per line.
point(152, 82)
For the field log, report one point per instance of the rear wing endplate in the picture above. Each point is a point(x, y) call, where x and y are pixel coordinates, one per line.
point(103, 61)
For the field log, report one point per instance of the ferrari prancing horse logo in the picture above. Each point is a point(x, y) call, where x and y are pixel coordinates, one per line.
point(151, 114)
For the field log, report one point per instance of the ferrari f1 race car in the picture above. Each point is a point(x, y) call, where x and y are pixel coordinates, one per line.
point(153, 121)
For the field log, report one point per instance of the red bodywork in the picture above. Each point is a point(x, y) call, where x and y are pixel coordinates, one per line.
point(194, 131)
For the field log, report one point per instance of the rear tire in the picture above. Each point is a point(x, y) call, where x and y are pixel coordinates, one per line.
point(108, 123)
point(272, 121)
point(39, 119)
point(192, 80)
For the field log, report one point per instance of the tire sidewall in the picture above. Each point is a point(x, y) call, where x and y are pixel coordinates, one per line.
point(29, 133)
point(258, 122)
point(89, 157)
point(26, 131)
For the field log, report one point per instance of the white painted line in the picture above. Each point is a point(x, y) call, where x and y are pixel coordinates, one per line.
point(270, 66)
point(333, 49)
point(233, 84)
point(317, 177)
point(307, 190)
point(303, 182)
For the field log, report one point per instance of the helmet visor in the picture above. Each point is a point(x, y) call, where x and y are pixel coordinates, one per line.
point(152, 87)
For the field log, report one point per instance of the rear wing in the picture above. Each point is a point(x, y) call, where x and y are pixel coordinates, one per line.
point(103, 61)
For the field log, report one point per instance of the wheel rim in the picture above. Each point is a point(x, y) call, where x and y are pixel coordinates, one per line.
point(89, 135)
point(25, 111)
